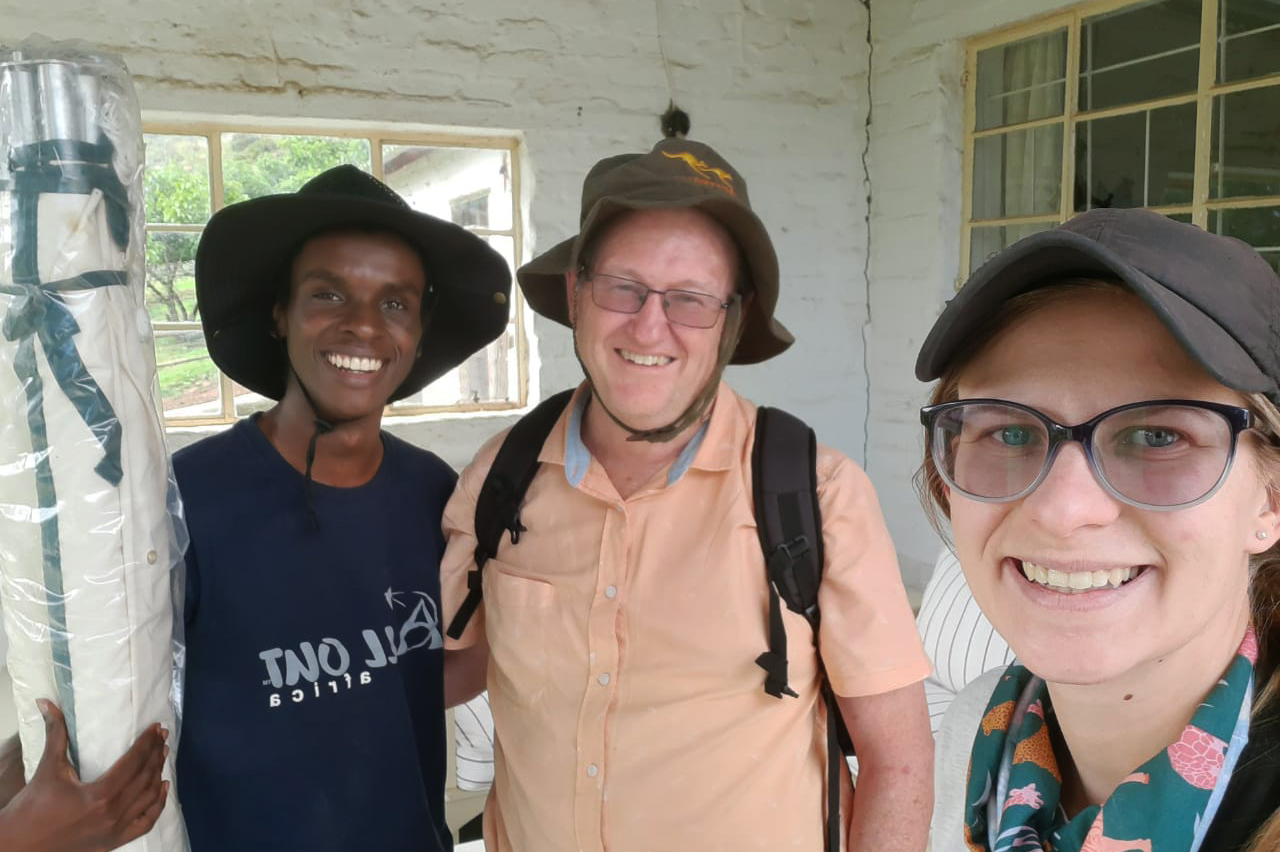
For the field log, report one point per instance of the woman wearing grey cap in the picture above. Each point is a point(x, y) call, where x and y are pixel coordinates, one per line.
point(1105, 442)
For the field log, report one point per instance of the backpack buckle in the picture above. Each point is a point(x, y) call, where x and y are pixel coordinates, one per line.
point(791, 551)
point(515, 527)
point(781, 562)
point(785, 578)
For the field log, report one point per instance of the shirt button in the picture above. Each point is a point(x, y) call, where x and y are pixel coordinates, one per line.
point(592, 770)
point(604, 679)
point(611, 592)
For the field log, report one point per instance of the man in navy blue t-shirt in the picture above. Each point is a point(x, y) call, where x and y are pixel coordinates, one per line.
point(314, 706)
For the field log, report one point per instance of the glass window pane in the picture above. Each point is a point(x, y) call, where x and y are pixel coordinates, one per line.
point(188, 380)
point(1143, 159)
point(1022, 81)
point(1017, 173)
point(490, 375)
point(505, 246)
point(471, 210)
point(247, 402)
point(487, 376)
point(1245, 157)
point(258, 164)
point(987, 241)
point(470, 186)
point(171, 283)
point(1257, 226)
point(1117, 68)
point(176, 180)
point(1172, 156)
point(1250, 39)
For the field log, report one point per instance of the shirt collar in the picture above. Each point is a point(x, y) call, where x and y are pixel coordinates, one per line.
point(710, 448)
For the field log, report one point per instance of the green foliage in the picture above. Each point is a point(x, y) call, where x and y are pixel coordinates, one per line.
point(176, 181)
point(257, 165)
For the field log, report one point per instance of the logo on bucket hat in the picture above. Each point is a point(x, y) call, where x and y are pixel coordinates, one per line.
point(704, 172)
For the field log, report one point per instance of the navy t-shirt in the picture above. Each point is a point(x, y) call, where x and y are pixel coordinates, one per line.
point(313, 717)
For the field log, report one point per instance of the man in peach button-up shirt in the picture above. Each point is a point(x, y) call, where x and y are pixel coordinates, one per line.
point(621, 632)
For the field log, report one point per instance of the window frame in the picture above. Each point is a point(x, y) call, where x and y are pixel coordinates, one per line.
point(1207, 89)
point(211, 128)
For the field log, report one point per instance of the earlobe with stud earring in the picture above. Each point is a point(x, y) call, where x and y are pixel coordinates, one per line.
point(1262, 535)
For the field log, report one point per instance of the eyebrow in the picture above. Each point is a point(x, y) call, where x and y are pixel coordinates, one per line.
point(323, 275)
point(330, 277)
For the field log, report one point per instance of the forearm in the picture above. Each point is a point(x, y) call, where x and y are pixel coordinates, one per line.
point(894, 803)
point(893, 800)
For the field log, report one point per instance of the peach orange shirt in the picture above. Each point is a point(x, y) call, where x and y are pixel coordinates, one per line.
point(628, 709)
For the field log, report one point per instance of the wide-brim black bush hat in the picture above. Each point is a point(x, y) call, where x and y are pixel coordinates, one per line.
point(1217, 296)
point(676, 173)
point(241, 270)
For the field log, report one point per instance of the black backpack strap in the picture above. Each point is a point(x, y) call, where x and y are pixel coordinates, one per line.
point(498, 505)
point(784, 486)
point(784, 479)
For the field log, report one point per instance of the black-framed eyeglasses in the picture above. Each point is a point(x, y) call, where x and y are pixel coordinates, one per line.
point(1160, 454)
point(625, 296)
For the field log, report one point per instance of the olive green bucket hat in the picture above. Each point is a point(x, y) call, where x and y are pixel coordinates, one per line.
point(676, 173)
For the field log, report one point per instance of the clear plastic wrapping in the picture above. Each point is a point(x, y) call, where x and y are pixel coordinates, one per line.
point(91, 534)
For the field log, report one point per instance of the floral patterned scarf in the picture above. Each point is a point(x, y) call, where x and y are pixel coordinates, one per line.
point(1165, 805)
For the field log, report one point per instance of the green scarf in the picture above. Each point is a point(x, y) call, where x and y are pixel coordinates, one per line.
point(1165, 805)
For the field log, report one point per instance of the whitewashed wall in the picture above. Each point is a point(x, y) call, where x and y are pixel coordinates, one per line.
point(917, 139)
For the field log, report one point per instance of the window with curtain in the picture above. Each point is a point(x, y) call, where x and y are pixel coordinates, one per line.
point(1172, 105)
point(194, 169)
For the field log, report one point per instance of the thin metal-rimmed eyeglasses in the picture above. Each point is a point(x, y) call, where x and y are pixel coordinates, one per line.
point(1160, 454)
point(625, 296)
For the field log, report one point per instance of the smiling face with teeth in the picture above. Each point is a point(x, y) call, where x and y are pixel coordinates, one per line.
point(353, 320)
point(1084, 587)
point(646, 369)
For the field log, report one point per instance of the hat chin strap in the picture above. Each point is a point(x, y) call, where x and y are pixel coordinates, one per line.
point(322, 427)
point(729, 337)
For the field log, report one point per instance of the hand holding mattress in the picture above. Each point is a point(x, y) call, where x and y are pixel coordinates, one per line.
point(57, 812)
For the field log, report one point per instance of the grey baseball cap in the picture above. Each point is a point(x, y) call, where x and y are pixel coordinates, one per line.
point(1217, 296)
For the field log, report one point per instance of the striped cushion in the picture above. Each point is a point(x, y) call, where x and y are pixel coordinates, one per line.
point(956, 635)
point(473, 741)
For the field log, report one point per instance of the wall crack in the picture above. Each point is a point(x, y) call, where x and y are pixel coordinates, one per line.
point(866, 258)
